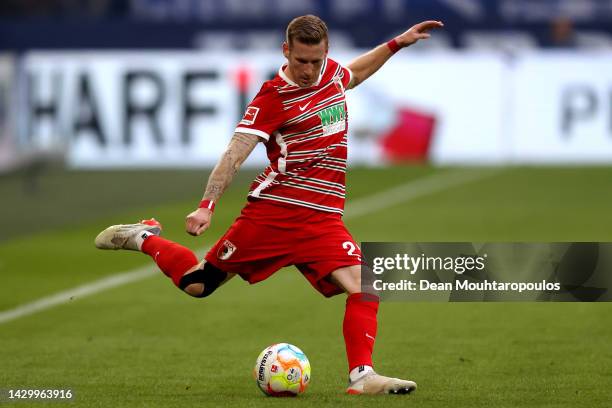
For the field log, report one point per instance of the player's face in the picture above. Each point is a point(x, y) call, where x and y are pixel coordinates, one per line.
point(305, 61)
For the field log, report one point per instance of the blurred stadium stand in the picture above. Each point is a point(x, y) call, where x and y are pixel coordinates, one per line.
point(507, 41)
point(153, 24)
point(114, 83)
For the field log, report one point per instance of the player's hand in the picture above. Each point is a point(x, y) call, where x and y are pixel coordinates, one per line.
point(198, 221)
point(417, 32)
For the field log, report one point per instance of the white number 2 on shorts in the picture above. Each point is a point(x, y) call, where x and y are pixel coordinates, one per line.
point(350, 249)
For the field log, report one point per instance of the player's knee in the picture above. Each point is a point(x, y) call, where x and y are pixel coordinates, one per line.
point(356, 276)
point(348, 278)
point(195, 289)
point(353, 276)
point(203, 281)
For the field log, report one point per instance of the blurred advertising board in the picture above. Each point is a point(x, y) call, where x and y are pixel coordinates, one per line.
point(179, 109)
point(562, 109)
point(462, 96)
point(134, 109)
point(7, 142)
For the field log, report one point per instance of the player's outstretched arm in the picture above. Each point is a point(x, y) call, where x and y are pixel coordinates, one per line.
point(239, 148)
point(367, 64)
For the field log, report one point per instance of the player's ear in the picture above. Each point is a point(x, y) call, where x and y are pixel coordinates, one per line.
point(286, 49)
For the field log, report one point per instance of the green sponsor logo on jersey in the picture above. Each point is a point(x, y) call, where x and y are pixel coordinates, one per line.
point(333, 114)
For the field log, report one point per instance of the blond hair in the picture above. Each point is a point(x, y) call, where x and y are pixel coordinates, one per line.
point(308, 29)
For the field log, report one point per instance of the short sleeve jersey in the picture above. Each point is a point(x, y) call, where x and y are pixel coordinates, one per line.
point(305, 133)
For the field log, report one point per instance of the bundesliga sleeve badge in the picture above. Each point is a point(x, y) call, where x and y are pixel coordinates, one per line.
point(249, 116)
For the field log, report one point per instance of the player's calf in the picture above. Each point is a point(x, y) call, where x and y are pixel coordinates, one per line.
point(197, 279)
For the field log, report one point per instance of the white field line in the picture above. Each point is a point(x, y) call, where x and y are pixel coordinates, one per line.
point(78, 292)
point(412, 190)
point(399, 194)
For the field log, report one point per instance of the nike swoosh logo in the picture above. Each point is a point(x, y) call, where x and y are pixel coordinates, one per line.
point(303, 108)
point(369, 337)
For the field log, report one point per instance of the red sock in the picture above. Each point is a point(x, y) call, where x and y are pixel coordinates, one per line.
point(173, 259)
point(359, 328)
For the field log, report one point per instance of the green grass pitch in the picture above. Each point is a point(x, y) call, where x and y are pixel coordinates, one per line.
point(145, 344)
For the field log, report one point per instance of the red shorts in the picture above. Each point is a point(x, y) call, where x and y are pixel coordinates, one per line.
point(268, 236)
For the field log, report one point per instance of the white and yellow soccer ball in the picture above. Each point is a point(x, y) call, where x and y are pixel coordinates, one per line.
point(282, 370)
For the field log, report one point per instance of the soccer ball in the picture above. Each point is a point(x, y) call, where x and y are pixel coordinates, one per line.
point(282, 370)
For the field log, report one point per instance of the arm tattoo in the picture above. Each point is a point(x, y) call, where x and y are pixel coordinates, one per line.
point(238, 150)
point(213, 190)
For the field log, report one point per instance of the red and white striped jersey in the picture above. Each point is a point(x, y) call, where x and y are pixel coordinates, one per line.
point(305, 132)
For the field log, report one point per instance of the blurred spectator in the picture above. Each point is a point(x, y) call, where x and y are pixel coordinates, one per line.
point(562, 34)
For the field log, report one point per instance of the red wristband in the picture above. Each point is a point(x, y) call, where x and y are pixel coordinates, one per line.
point(393, 46)
point(210, 204)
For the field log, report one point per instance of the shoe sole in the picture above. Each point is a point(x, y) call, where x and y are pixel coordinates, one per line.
point(400, 390)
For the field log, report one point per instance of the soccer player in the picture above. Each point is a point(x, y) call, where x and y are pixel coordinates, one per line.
point(293, 215)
